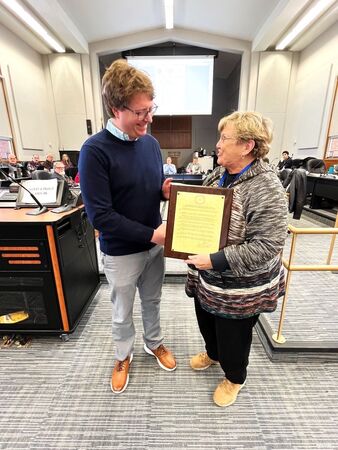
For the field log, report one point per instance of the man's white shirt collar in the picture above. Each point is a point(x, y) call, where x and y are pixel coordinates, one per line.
point(117, 132)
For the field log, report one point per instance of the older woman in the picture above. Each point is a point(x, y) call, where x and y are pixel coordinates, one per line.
point(234, 285)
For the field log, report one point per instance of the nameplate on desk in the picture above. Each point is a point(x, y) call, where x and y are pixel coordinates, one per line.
point(44, 190)
point(50, 193)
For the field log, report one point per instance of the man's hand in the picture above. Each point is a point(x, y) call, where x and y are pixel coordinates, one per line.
point(159, 235)
point(166, 188)
point(201, 262)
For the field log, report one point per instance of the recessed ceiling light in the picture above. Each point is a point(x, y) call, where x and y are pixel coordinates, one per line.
point(308, 18)
point(169, 14)
point(29, 20)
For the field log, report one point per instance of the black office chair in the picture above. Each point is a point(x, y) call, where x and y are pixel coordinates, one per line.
point(315, 165)
point(297, 163)
point(42, 175)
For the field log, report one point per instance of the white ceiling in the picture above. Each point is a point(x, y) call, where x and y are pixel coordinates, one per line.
point(104, 19)
point(78, 23)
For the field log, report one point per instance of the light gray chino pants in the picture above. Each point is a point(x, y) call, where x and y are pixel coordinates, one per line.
point(125, 273)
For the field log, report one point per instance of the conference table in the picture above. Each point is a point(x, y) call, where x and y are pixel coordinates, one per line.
point(48, 270)
point(321, 186)
point(187, 178)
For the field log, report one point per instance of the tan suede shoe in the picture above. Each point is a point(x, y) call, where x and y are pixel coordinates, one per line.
point(120, 376)
point(226, 393)
point(163, 356)
point(201, 361)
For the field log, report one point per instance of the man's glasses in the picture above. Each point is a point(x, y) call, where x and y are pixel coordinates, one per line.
point(143, 114)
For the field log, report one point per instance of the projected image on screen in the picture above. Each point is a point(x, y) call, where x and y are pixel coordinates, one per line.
point(183, 85)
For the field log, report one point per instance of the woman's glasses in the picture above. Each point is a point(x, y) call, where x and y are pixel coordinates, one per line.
point(224, 138)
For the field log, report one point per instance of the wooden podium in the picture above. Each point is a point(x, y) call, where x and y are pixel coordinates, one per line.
point(48, 270)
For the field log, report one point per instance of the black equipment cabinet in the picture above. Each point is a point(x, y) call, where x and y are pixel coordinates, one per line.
point(48, 270)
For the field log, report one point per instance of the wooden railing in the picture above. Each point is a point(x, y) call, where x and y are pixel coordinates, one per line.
point(291, 267)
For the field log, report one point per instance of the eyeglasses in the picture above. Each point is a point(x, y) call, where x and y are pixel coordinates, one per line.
point(142, 115)
point(224, 138)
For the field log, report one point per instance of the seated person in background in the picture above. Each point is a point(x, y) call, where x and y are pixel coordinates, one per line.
point(169, 168)
point(59, 170)
point(285, 162)
point(194, 167)
point(16, 169)
point(3, 165)
point(66, 161)
point(35, 163)
point(48, 164)
point(214, 159)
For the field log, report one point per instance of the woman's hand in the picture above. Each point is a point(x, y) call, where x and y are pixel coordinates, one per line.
point(201, 262)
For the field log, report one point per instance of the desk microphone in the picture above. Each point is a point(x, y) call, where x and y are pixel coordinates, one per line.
point(35, 212)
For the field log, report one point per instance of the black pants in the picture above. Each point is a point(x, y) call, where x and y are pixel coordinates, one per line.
point(227, 341)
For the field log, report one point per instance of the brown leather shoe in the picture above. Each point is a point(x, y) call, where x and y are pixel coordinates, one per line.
point(164, 357)
point(120, 376)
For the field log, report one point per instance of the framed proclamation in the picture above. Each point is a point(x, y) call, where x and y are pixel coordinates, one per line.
point(197, 221)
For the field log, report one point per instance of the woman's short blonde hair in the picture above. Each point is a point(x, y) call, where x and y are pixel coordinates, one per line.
point(250, 125)
point(121, 82)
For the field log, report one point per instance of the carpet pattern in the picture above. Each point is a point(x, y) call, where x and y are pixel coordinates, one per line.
point(56, 396)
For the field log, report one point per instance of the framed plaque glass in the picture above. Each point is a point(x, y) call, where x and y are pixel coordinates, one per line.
point(197, 221)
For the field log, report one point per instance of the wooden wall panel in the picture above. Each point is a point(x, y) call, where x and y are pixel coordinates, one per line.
point(172, 131)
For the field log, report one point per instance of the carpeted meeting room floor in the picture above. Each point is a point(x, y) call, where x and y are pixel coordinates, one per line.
point(56, 395)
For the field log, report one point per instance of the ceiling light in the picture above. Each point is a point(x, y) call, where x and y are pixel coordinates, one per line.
point(304, 22)
point(29, 20)
point(169, 14)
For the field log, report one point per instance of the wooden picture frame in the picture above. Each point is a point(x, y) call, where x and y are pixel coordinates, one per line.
point(193, 212)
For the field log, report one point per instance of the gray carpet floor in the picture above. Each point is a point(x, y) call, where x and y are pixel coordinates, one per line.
point(56, 395)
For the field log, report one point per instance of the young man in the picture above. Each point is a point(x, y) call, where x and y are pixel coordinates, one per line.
point(285, 162)
point(122, 184)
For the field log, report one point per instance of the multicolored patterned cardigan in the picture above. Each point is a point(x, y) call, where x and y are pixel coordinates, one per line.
point(257, 232)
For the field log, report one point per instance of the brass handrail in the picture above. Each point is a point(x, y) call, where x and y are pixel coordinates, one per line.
point(288, 264)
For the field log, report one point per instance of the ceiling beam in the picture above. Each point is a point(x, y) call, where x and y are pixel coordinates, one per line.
point(60, 24)
point(281, 18)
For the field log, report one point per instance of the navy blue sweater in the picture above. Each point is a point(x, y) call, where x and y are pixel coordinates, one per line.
point(121, 186)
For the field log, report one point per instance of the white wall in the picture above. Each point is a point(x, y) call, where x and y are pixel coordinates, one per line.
point(272, 91)
point(310, 105)
point(50, 97)
point(68, 96)
point(294, 90)
point(25, 76)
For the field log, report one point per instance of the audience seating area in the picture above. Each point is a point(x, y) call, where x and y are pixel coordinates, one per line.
point(310, 164)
